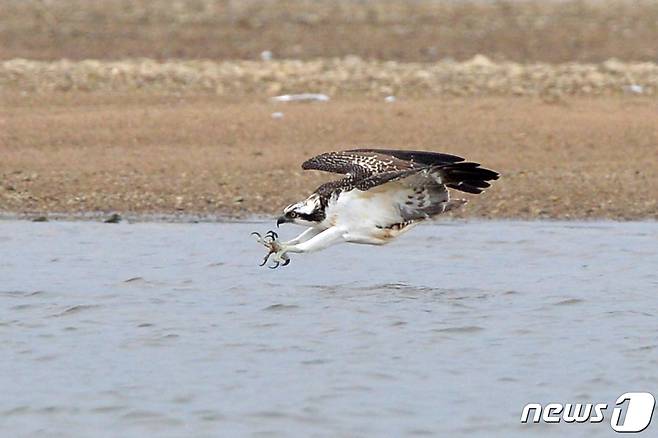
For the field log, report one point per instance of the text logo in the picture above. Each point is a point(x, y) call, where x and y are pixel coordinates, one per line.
point(632, 412)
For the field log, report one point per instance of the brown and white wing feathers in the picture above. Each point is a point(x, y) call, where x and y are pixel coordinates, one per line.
point(368, 168)
point(357, 164)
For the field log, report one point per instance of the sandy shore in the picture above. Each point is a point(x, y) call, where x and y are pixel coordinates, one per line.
point(85, 152)
point(153, 107)
point(348, 77)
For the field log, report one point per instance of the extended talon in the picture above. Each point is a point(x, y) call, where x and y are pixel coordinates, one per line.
point(274, 247)
point(267, 240)
point(266, 258)
point(262, 240)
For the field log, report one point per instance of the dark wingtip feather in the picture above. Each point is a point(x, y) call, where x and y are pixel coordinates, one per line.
point(467, 177)
point(478, 183)
point(464, 187)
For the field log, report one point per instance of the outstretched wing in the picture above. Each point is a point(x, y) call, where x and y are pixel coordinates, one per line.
point(420, 157)
point(368, 168)
point(356, 164)
point(363, 163)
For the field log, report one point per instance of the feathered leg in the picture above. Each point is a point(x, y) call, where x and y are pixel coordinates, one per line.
point(321, 241)
point(306, 235)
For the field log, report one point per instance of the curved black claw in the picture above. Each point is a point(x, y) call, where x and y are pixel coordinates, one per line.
point(266, 258)
point(273, 246)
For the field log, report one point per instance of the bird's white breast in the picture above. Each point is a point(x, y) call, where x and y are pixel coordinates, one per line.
point(357, 209)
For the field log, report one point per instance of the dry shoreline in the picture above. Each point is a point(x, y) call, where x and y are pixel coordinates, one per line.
point(348, 77)
point(203, 155)
point(155, 108)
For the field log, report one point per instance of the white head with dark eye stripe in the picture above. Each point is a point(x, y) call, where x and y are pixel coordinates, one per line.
point(308, 212)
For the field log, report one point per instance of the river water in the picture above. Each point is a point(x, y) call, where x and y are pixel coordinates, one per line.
point(161, 329)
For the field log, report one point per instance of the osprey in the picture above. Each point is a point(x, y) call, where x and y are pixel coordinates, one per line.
point(383, 194)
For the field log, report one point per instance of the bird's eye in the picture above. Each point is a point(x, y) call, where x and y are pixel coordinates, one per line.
point(293, 214)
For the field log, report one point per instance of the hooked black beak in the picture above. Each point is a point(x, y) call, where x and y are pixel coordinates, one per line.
point(281, 220)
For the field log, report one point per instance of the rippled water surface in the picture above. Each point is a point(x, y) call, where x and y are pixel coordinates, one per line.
point(156, 329)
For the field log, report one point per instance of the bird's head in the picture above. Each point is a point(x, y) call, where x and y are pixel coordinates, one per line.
point(308, 212)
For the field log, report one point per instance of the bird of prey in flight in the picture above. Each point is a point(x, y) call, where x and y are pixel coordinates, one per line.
point(383, 194)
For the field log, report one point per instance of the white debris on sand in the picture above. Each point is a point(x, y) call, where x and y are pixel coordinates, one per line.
point(266, 55)
point(303, 97)
point(637, 89)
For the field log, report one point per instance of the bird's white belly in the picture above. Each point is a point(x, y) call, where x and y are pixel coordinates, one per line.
point(362, 215)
